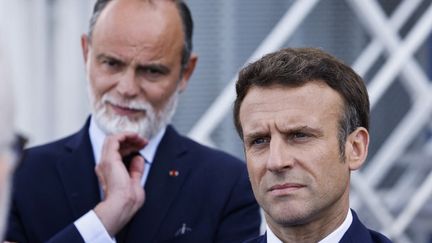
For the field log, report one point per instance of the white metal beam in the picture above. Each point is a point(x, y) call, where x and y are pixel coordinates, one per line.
point(371, 53)
point(392, 67)
point(277, 37)
point(385, 36)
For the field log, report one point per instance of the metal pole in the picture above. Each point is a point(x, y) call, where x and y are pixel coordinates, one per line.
point(278, 36)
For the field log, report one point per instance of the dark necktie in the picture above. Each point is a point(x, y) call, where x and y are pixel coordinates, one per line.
point(121, 236)
point(128, 158)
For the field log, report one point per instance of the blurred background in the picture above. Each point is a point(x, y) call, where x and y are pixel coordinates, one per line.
point(388, 42)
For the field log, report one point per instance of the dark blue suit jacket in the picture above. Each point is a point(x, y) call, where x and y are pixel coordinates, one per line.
point(356, 233)
point(211, 198)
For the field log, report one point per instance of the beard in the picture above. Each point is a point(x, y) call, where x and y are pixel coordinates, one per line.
point(146, 126)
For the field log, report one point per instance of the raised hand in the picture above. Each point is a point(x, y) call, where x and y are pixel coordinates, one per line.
point(123, 193)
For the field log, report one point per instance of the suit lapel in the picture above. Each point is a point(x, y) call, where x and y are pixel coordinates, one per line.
point(163, 185)
point(357, 232)
point(76, 170)
point(263, 238)
point(259, 239)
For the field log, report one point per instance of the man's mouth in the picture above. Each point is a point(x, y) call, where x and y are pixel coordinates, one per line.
point(286, 188)
point(125, 110)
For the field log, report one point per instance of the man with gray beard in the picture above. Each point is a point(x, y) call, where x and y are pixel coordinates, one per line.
point(88, 187)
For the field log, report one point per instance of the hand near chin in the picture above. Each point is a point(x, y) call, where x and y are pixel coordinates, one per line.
point(122, 190)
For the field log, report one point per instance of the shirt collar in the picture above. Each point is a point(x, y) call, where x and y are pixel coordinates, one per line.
point(271, 237)
point(337, 235)
point(97, 137)
point(333, 237)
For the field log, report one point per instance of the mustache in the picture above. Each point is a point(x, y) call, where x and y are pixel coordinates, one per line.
point(128, 104)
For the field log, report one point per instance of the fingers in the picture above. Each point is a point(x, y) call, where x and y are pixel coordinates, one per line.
point(111, 172)
point(121, 144)
point(101, 179)
point(136, 169)
point(131, 142)
point(123, 193)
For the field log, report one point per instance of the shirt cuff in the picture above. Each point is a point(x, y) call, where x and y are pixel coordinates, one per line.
point(92, 230)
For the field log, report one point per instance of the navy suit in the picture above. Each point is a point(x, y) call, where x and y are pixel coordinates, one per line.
point(210, 200)
point(356, 233)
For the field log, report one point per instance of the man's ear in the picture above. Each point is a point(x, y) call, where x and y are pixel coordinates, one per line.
point(356, 148)
point(84, 46)
point(187, 72)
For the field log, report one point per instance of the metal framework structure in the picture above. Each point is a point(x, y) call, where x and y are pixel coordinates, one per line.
point(53, 66)
point(394, 216)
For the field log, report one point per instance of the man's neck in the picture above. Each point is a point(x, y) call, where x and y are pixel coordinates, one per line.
point(314, 231)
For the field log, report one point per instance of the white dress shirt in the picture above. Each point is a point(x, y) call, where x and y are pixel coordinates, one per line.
point(89, 225)
point(333, 237)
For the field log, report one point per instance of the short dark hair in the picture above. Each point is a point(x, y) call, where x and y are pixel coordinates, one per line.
point(294, 67)
point(185, 15)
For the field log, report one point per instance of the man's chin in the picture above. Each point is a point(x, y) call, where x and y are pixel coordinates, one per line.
point(113, 125)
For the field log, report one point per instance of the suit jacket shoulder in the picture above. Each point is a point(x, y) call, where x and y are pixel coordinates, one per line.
point(54, 185)
point(185, 144)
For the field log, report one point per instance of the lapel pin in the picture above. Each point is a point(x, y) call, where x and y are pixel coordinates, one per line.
point(183, 230)
point(173, 173)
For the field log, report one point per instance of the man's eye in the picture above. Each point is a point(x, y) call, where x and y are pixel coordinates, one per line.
point(300, 136)
point(260, 141)
point(111, 63)
point(152, 71)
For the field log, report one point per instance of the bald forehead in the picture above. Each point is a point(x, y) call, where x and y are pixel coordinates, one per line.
point(129, 17)
point(132, 26)
point(130, 6)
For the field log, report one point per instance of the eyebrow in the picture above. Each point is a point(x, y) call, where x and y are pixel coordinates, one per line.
point(254, 135)
point(161, 67)
point(257, 134)
point(106, 56)
point(315, 131)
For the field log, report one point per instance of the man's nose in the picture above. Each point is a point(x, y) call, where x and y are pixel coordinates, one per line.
point(127, 85)
point(280, 158)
